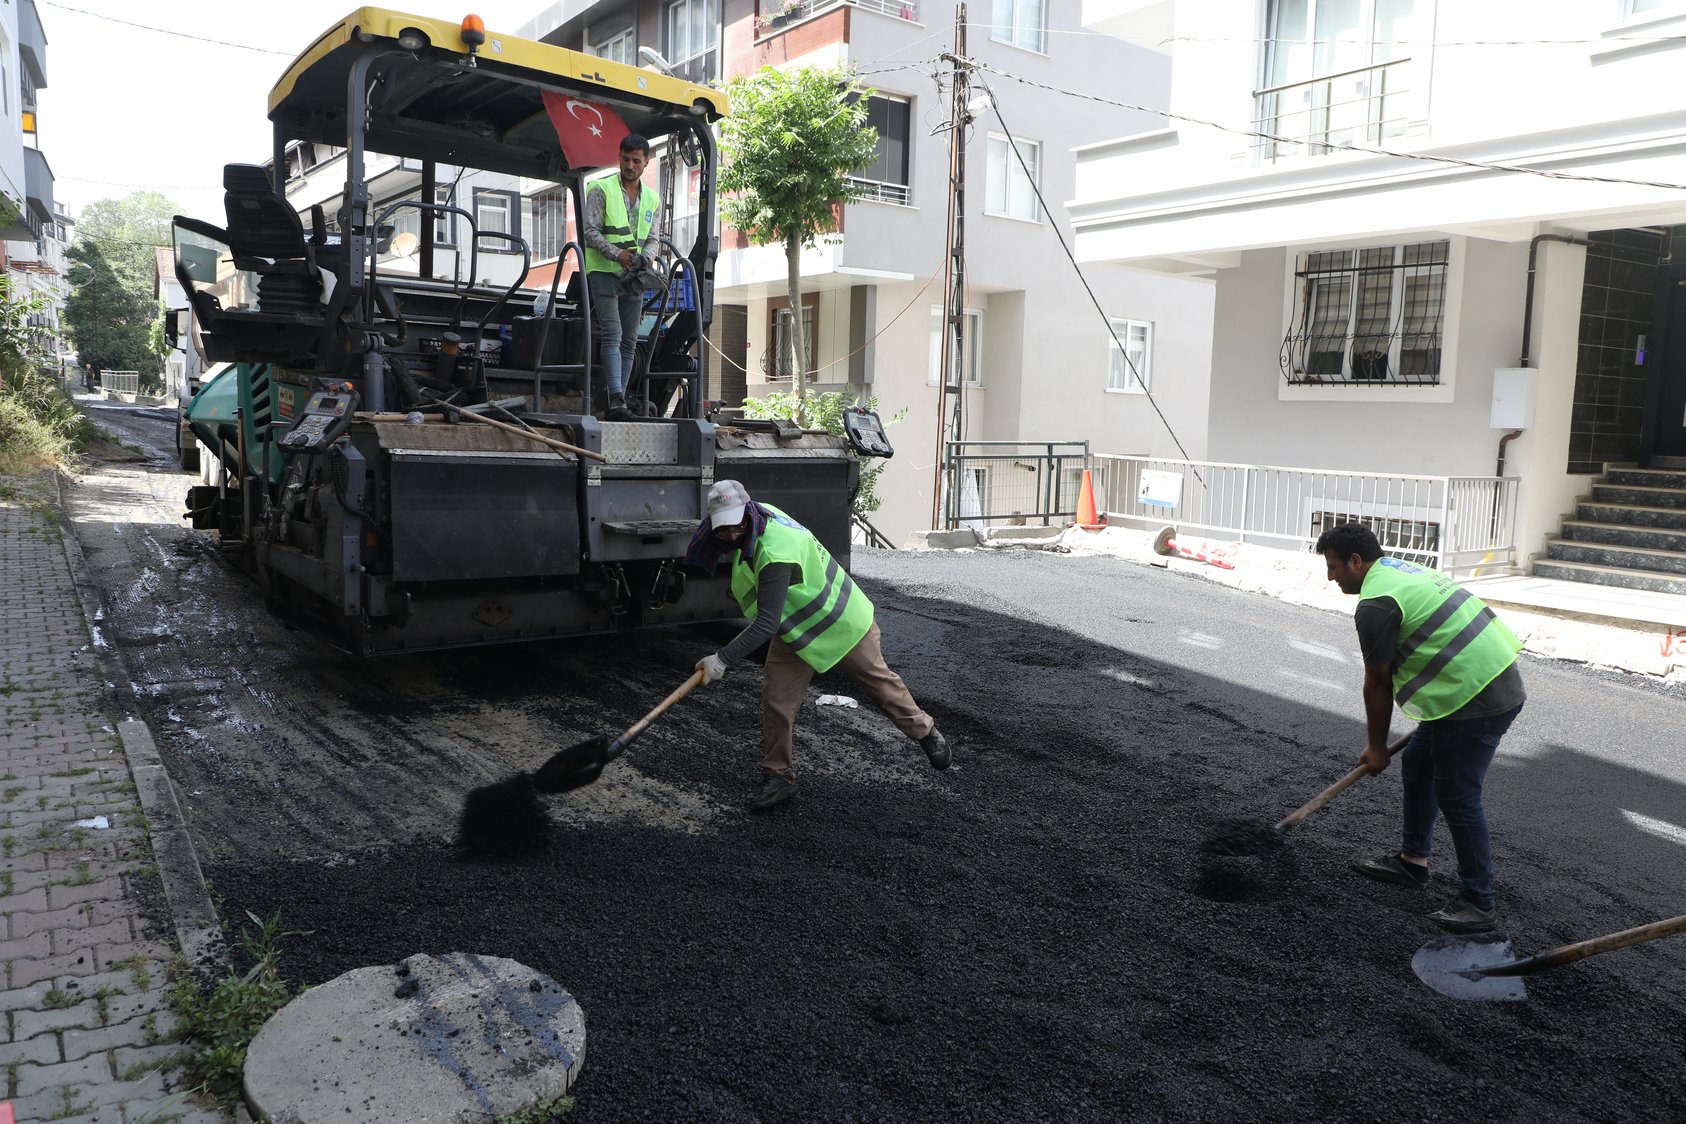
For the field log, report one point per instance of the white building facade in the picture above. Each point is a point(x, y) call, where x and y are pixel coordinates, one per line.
point(38, 230)
point(1397, 201)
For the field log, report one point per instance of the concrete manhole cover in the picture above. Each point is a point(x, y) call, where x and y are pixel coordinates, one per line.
point(450, 1038)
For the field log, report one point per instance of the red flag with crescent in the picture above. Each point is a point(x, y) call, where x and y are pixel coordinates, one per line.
point(590, 132)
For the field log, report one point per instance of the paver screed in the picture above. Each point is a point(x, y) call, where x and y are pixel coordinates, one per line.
point(86, 1024)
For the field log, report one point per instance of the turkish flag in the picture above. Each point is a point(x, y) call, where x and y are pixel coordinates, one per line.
point(589, 131)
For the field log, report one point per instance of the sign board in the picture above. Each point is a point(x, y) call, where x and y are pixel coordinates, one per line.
point(1160, 489)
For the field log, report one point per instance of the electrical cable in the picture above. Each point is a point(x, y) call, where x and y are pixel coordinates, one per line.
point(995, 105)
point(163, 30)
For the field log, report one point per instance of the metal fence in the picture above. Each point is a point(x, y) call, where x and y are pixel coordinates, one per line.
point(1012, 482)
point(1453, 523)
point(121, 382)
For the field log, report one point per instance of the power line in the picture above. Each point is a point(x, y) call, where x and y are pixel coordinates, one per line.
point(1254, 134)
point(1161, 40)
point(163, 30)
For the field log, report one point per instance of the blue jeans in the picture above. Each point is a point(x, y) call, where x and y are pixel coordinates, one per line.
point(615, 316)
point(1444, 766)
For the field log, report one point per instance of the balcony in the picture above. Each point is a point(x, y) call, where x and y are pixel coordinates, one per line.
point(775, 17)
point(32, 42)
point(38, 186)
point(880, 192)
point(1365, 106)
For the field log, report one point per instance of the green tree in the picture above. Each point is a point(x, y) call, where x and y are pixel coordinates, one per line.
point(111, 310)
point(790, 144)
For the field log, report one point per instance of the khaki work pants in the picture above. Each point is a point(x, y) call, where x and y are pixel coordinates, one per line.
point(787, 682)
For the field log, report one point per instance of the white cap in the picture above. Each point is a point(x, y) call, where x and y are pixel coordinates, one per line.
point(726, 501)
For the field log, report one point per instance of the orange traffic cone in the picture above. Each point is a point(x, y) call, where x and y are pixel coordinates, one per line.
point(1086, 516)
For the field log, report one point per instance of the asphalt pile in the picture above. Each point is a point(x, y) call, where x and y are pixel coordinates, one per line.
point(1032, 935)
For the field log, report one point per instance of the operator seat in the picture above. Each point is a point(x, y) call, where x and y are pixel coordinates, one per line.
point(267, 239)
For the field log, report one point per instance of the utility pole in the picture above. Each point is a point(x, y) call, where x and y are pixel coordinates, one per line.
point(954, 281)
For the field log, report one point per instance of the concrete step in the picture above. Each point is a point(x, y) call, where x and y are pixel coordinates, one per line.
point(1631, 515)
point(1647, 477)
point(1619, 557)
point(1639, 496)
point(1625, 534)
point(1610, 576)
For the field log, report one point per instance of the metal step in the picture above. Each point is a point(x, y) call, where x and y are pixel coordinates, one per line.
point(1625, 535)
point(1619, 557)
point(1639, 496)
point(1631, 515)
point(653, 527)
point(1610, 576)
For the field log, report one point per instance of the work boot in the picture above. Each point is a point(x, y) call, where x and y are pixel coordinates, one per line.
point(1460, 915)
point(617, 408)
point(1392, 868)
point(936, 748)
point(775, 790)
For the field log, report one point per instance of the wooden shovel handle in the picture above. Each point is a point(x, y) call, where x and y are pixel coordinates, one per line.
point(1337, 788)
point(562, 446)
point(643, 723)
point(1569, 953)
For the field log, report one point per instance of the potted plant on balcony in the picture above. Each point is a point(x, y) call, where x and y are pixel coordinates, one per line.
point(780, 12)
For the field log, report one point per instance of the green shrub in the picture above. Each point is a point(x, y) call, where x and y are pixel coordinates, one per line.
point(40, 425)
point(217, 1027)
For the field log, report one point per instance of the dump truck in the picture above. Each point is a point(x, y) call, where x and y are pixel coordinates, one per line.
point(408, 453)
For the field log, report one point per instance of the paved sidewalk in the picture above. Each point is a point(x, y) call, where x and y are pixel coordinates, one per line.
point(86, 1021)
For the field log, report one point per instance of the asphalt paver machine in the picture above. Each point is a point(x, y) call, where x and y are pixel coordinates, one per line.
point(409, 454)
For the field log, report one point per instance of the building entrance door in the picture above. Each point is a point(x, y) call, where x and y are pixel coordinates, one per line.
point(1668, 428)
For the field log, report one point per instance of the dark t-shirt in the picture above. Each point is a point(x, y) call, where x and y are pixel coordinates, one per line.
point(1378, 620)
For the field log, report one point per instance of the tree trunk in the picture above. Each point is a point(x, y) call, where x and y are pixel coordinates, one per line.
point(793, 292)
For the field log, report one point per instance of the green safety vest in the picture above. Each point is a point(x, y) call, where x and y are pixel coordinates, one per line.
point(615, 227)
point(825, 613)
point(1450, 643)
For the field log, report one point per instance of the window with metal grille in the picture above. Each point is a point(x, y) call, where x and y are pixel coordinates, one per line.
point(778, 357)
point(1368, 317)
point(544, 218)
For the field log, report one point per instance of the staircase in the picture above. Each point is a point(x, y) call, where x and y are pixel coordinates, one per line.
point(1630, 533)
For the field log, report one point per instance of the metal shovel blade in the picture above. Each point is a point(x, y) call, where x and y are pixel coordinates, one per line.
point(1453, 967)
point(574, 767)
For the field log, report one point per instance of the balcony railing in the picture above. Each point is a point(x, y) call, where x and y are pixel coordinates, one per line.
point(1364, 106)
point(882, 192)
point(775, 16)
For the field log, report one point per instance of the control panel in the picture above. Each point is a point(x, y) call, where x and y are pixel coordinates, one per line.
point(322, 420)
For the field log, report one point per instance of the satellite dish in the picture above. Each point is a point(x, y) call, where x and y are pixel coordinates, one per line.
point(405, 244)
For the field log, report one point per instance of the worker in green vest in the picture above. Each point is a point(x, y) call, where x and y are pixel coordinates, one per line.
point(1435, 649)
point(814, 618)
point(622, 233)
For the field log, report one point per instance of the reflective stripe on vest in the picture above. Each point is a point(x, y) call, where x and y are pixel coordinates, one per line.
point(615, 226)
point(825, 613)
point(1450, 644)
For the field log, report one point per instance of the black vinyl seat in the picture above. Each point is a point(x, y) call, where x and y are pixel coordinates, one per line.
point(268, 239)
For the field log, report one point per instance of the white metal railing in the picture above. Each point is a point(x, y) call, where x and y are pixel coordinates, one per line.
point(1453, 523)
point(774, 14)
point(1367, 105)
point(121, 382)
point(880, 190)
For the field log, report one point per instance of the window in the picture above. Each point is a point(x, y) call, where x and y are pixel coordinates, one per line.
point(886, 178)
point(1335, 73)
point(969, 361)
point(617, 46)
point(1368, 316)
point(1130, 370)
point(544, 218)
point(691, 32)
point(1640, 7)
point(1012, 180)
point(497, 212)
point(1021, 23)
point(778, 366)
point(409, 218)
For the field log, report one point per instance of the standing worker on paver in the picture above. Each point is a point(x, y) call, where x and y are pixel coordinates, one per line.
point(1438, 651)
point(622, 226)
point(788, 584)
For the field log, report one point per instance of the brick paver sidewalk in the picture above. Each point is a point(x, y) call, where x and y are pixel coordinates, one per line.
point(83, 997)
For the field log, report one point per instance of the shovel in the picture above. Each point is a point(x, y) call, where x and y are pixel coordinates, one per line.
point(1479, 967)
point(1251, 837)
point(581, 764)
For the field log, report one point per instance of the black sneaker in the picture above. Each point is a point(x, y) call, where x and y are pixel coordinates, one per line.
point(1392, 868)
point(936, 748)
point(617, 409)
point(1460, 915)
point(775, 790)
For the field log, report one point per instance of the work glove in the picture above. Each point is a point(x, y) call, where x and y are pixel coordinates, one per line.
point(712, 667)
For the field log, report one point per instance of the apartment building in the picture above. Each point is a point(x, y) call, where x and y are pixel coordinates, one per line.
point(1428, 224)
point(36, 230)
point(1039, 363)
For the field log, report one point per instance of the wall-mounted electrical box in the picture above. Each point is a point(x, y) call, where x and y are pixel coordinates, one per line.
point(1514, 391)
